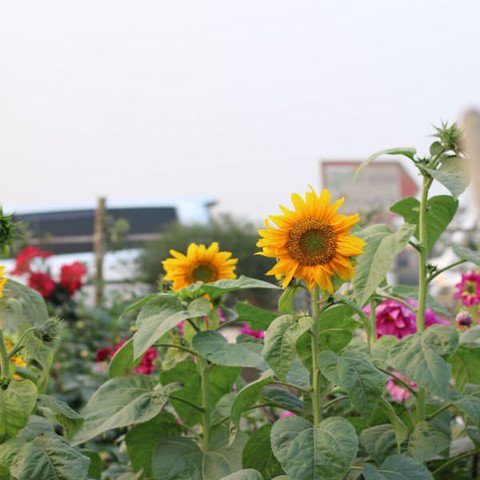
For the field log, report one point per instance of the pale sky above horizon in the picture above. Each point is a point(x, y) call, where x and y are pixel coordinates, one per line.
point(236, 100)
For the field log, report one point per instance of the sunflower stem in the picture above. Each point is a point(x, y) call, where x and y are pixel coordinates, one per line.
point(373, 324)
point(422, 280)
point(205, 386)
point(4, 362)
point(315, 298)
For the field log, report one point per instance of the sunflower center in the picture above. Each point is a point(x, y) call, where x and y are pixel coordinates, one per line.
point(311, 242)
point(203, 273)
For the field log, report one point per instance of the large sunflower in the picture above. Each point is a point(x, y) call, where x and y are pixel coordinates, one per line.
point(199, 264)
point(312, 241)
point(3, 280)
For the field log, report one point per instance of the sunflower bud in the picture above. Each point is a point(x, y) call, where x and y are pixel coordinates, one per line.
point(463, 320)
point(48, 331)
point(7, 232)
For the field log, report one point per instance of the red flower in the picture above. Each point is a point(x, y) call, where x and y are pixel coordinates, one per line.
point(25, 256)
point(103, 354)
point(71, 276)
point(42, 282)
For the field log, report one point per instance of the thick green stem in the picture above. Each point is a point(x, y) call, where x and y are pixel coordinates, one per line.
point(4, 362)
point(373, 324)
point(423, 280)
point(205, 386)
point(315, 298)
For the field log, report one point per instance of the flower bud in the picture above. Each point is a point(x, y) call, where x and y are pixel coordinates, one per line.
point(463, 320)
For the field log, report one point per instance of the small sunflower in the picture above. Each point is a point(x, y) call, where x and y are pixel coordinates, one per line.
point(312, 242)
point(16, 359)
point(3, 280)
point(199, 264)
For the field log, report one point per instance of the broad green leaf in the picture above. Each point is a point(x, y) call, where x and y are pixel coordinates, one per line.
point(427, 442)
point(380, 349)
point(95, 468)
point(283, 398)
point(49, 457)
point(471, 338)
point(219, 442)
point(280, 340)
point(220, 287)
point(440, 212)
point(36, 426)
point(465, 363)
point(379, 441)
point(411, 293)
point(359, 378)
point(123, 361)
point(41, 355)
point(159, 316)
point(221, 380)
point(400, 429)
point(179, 458)
point(286, 302)
point(376, 261)
point(33, 305)
point(257, 318)
point(452, 174)
point(245, 398)
point(470, 405)
point(467, 254)
point(16, 403)
point(68, 418)
point(419, 358)
point(336, 328)
point(314, 453)
point(298, 375)
point(248, 474)
point(408, 152)
point(397, 467)
point(258, 453)
point(141, 440)
point(120, 402)
point(213, 346)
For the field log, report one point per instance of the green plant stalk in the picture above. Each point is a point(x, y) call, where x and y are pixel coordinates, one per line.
point(4, 362)
point(373, 324)
point(205, 386)
point(315, 298)
point(423, 281)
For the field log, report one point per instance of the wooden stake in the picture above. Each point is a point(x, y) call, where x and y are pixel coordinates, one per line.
point(99, 249)
point(471, 125)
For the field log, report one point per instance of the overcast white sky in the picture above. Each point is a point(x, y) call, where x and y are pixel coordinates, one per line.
point(238, 100)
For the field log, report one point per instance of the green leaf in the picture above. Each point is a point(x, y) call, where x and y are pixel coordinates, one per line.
point(467, 254)
point(179, 458)
point(68, 418)
point(248, 474)
point(359, 378)
point(257, 318)
point(120, 402)
point(405, 151)
point(258, 453)
point(470, 405)
point(95, 468)
point(141, 440)
point(440, 212)
point(159, 316)
point(427, 442)
point(220, 287)
point(336, 328)
point(16, 403)
point(213, 346)
point(33, 305)
point(221, 380)
point(219, 442)
point(286, 302)
point(379, 441)
point(465, 363)
point(397, 467)
point(400, 429)
point(411, 293)
point(123, 361)
point(245, 398)
point(280, 340)
point(48, 457)
point(452, 174)
point(283, 398)
point(314, 453)
point(374, 264)
point(419, 358)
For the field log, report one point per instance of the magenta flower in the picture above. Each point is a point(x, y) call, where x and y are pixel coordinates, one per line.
point(246, 330)
point(468, 289)
point(397, 390)
point(394, 318)
point(286, 413)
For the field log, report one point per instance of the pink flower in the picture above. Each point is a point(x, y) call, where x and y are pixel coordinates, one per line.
point(286, 413)
point(394, 318)
point(145, 366)
point(397, 390)
point(103, 354)
point(468, 289)
point(246, 330)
